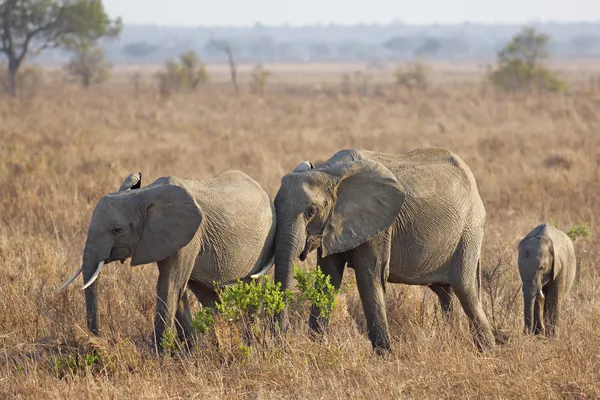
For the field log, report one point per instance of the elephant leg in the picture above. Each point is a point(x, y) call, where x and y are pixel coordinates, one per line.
point(552, 310)
point(371, 265)
point(183, 318)
point(444, 292)
point(169, 290)
point(205, 295)
point(334, 267)
point(467, 289)
point(472, 306)
point(539, 315)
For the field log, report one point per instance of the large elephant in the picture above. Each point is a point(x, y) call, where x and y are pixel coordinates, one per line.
point(415, 219)
point(547, 266)
point(198, 232)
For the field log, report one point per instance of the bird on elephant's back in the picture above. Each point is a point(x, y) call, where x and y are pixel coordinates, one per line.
point(198, 232)
point(415, 218)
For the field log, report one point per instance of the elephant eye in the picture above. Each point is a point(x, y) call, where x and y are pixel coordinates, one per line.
point(541, 267)
point(311, 212)
point(116, 231)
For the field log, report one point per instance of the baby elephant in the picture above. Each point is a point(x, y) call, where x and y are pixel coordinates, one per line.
point(547, 269)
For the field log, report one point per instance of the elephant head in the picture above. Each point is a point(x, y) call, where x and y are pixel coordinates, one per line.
point(145, 224)
point(336, 208)
point(537, 267)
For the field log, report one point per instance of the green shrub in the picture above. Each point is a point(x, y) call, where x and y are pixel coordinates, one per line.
point(252, 299)
point(259, 76)
point(204, 320)
point(576, 231)
point(168, 341)
point(252, 306)
point(64, 365)
point(316, 287)
point(579, 231)
point(520, 65)
point(187, 73)
point(89, 65)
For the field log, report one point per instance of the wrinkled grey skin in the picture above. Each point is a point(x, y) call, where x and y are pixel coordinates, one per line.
point(547, 266)
point(415, 219)
point(197, 232)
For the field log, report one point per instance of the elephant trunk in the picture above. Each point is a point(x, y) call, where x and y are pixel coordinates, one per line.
point(530, 293)
point(529, 300)
point(91, 269)
point(289, 242)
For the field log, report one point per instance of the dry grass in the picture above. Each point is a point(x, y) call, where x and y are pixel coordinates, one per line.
point(534, 158)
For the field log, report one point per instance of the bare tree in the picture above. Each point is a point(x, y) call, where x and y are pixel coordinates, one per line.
point(225, 47)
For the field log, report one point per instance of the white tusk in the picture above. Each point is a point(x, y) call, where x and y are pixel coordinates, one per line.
point(72, 278)
point(93, 278)
point(265, 269)
point(541, 294)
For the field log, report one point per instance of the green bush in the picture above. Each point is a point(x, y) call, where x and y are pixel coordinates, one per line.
point(204, 320)
point(168, 341)
point(89, 65)
point(252, 299)
point(252, 306)
point(315, 287)
point(260, 76)
point(576, 231)
point(186, 73)
point(520, 65)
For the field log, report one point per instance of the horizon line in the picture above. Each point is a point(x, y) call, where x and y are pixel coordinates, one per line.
point(317, 24)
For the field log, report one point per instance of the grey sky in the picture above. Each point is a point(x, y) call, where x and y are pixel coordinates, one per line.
point(277, 12)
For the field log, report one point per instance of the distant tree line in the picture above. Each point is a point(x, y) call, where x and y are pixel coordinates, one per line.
point(362, 43)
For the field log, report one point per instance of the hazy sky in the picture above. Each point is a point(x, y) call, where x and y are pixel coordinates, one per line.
point(277, 12)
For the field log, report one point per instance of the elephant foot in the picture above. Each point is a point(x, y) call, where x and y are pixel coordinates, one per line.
point(485, 341)
point(316, 323)
point(380, 343)
point(382, 350)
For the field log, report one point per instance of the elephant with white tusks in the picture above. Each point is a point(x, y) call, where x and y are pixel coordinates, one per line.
point(198, 232)
point(547, 266)
point(415, 219)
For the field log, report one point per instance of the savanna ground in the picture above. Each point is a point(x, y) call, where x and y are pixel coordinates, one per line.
point(535, 157)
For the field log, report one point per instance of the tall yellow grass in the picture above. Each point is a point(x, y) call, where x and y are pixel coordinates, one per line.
point(62, 148)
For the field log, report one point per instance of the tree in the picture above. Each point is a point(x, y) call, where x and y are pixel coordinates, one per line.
point(188, 73)
point(520, 64)
point(89, 65)
point(194, 71)
point(225, 47)
point(28, 27)
point(431, 46)
point(139, 49)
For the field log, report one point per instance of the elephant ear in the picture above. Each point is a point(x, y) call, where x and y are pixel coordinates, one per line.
point(171, 217)
point(133, 181)
point(558, 250)
point(304, 166)
point(367, 199)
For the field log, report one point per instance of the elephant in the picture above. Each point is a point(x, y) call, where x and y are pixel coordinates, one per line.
point(416, 219)
point(547, 266)
point(198, 232)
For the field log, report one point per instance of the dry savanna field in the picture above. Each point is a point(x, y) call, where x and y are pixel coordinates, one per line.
point(535, 158)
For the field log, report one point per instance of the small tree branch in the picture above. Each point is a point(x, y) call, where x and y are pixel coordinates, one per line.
point(225, 47)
